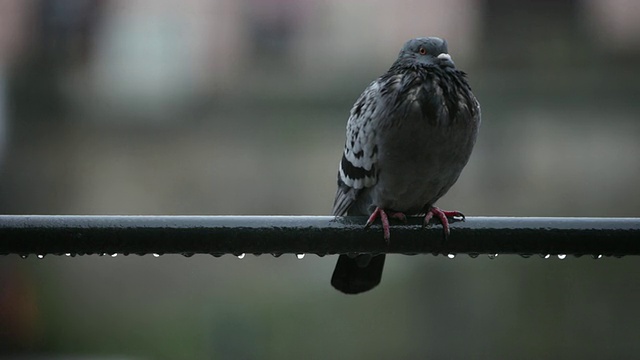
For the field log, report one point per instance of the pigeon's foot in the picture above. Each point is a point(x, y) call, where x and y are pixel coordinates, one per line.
point(443, 215)
point(384, 218)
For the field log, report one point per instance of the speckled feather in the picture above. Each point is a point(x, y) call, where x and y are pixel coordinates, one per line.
point(409, 136)
point(424, 112)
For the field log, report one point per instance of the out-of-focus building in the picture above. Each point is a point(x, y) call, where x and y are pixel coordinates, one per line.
point(239, 107)
point(614, 23)
point(13, 40)
point(153, 55)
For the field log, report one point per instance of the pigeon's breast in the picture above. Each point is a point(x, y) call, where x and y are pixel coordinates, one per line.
point(422, 154)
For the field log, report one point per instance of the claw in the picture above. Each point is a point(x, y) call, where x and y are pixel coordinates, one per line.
point(383, 218)
point(443, 216)
point(453, 214)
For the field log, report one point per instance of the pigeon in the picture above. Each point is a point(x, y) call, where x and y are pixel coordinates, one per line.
point(409, 135)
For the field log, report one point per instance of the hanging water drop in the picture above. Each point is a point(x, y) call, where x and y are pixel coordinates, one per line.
point(562, 256)
point(67, 254)
point(241, 256)
point(300, 256)
point(114, 254)
point(24, 256)
point(40, 256)
point(546, 256)
point(599, 256)
point(492, 256)
point(451, 256)
point(473, 255)
point(526, 256)
point(156, 255)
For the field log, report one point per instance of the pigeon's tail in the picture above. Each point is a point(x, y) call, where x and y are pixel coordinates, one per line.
point(354, 275)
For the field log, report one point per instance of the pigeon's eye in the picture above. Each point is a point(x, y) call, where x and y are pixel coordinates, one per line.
point(422, 51)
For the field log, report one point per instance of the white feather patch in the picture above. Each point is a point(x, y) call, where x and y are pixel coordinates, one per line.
point(360, 148)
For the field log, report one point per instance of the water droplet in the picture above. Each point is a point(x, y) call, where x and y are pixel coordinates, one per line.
point(526, 256)
point(599, 256)
point(102, 254)
point(187, 254)
point(276, 255)
point(492, 256)
point(67, 254)
point(40, 256)
point(300, 256)
point(114, 254)
point(241, 256)
point(24, 256)
point(545, 256)
point(473, 255)
point(562, 256)
point(156, 255)
point(451, 256)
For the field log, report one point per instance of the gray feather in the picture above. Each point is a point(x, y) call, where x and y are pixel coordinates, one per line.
point(408, 137)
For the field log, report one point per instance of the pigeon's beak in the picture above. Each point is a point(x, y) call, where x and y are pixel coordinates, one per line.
point(445, 59)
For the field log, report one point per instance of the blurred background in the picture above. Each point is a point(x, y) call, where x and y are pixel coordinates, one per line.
point(239, 107)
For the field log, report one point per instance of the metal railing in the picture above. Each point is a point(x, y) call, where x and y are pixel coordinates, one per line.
point(321, 235)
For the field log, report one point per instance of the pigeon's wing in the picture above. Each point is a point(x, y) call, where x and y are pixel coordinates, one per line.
point(358, 171)
point(357, 168)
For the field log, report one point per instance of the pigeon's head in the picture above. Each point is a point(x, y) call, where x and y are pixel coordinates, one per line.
point(429, 51)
